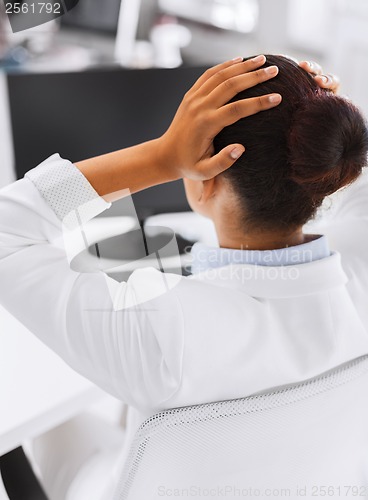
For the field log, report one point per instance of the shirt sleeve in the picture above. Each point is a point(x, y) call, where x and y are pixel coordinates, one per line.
point(125, 337)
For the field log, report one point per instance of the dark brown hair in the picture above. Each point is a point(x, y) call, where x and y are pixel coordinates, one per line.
point(308, 147)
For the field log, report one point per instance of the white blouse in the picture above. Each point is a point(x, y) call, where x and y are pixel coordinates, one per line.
point(159, 340)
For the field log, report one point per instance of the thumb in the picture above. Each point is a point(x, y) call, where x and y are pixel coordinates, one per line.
point(222, 160)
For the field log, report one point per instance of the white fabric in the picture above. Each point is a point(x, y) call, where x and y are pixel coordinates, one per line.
point(218, 335)
point(300, 441)
point(67, 190)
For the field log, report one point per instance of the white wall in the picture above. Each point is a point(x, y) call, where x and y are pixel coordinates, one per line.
point(332, 32)
point(349, 51)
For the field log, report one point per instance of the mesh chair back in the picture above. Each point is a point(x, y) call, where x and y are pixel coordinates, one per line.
point(309, 440)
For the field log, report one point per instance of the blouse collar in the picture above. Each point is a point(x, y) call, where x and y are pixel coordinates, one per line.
point(205, 257)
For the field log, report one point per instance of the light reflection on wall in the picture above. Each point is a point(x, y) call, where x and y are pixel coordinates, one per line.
point(236, 15)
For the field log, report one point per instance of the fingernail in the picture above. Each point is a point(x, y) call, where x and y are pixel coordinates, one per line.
point(324, 78)
point(258, 59)
point(275, 98)
point(237, 59)
point(309, 64)
point(237, 152)
point(272, 70)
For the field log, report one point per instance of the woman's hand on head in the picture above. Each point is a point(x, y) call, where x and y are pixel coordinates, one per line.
point(325, 81)
point(187, 146)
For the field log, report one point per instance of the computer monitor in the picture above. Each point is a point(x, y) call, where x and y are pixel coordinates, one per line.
point(84, 114)
point(94, 15)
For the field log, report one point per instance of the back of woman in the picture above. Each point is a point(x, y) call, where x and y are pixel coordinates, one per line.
point(272, 313)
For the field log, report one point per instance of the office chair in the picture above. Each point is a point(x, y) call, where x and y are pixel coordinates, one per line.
point(308, 439)
point(292, 441)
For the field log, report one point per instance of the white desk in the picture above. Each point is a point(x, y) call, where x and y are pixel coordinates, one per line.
point(38, 391)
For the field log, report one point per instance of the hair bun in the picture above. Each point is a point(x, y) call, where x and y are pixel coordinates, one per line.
point(327, 144)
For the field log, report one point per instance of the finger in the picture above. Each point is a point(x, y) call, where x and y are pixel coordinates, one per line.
point(311, 67)
point(230, 88)
point(238, 69)
point(329, 82)
point(223, 160)
point(234, 111)
point(215, 69)
point(305, 65)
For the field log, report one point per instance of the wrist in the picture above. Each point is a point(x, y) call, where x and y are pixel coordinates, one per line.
point(167, 162)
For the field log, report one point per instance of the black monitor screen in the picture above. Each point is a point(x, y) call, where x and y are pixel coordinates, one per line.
point(94, 15)
point(84, 114)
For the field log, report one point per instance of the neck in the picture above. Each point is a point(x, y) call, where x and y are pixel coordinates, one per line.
point(261, 240)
